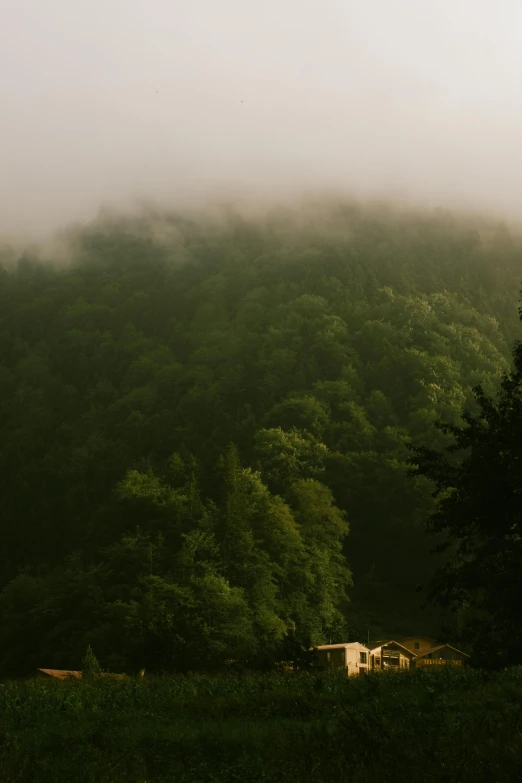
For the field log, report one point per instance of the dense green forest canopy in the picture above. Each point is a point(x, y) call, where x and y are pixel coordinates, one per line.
point(205, 425)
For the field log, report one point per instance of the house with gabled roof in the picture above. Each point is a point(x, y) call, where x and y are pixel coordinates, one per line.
point(413, 652)
point(390, 655)
point(430, 652)
point(420, 644)
point(442, 655)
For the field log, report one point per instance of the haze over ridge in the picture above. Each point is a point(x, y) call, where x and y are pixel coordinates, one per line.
point(110, 100)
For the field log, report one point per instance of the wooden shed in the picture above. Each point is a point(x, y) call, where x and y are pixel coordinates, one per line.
point(61, 674)
point(67, 674)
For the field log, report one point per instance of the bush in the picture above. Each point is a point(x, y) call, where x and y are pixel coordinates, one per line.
point(91, 668)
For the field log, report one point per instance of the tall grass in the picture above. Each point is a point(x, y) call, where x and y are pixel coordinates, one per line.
point(446, 725)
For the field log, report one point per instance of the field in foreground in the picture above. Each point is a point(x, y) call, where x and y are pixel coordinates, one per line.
point(425, 726)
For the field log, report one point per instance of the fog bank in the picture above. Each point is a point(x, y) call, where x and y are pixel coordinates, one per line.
point(114, 100)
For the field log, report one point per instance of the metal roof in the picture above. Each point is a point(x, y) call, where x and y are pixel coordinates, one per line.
point(396, 645)
point(66, 674)
point(346, 645)
point(61, 674)
point(441, 647)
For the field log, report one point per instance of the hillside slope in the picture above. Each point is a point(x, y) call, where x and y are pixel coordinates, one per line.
point(321, 342)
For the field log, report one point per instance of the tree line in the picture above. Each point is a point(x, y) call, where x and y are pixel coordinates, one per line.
point(206, 430)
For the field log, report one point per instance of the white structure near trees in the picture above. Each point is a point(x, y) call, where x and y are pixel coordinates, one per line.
point(353, 656)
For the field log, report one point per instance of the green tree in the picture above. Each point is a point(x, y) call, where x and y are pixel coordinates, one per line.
point(351, 328)
point(478, 486)
point(284, 457)
point(91, 669)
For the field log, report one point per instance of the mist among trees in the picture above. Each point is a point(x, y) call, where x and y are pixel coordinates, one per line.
point(207, 427)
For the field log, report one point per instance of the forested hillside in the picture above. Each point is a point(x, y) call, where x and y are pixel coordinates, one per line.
point(205, 427)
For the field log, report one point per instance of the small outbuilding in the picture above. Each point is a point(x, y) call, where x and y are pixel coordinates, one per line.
point(66, 674)
point(354, 657)
point(61, 674)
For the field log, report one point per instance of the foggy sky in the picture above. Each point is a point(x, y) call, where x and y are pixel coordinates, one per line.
point(108, 100)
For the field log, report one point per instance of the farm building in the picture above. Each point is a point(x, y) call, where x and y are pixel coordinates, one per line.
point(353, 656)
point(442, 655)
point(429, 652)
point(61, 674)
point(419, 645)
point(390, 655)
point(66, 674)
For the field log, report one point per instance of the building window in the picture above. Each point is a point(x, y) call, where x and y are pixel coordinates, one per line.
point(377, 661)
point(362, 658)
point(417, 646)
point(328, 656)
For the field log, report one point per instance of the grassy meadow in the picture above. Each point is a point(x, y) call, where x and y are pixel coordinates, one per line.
point(446, 725)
